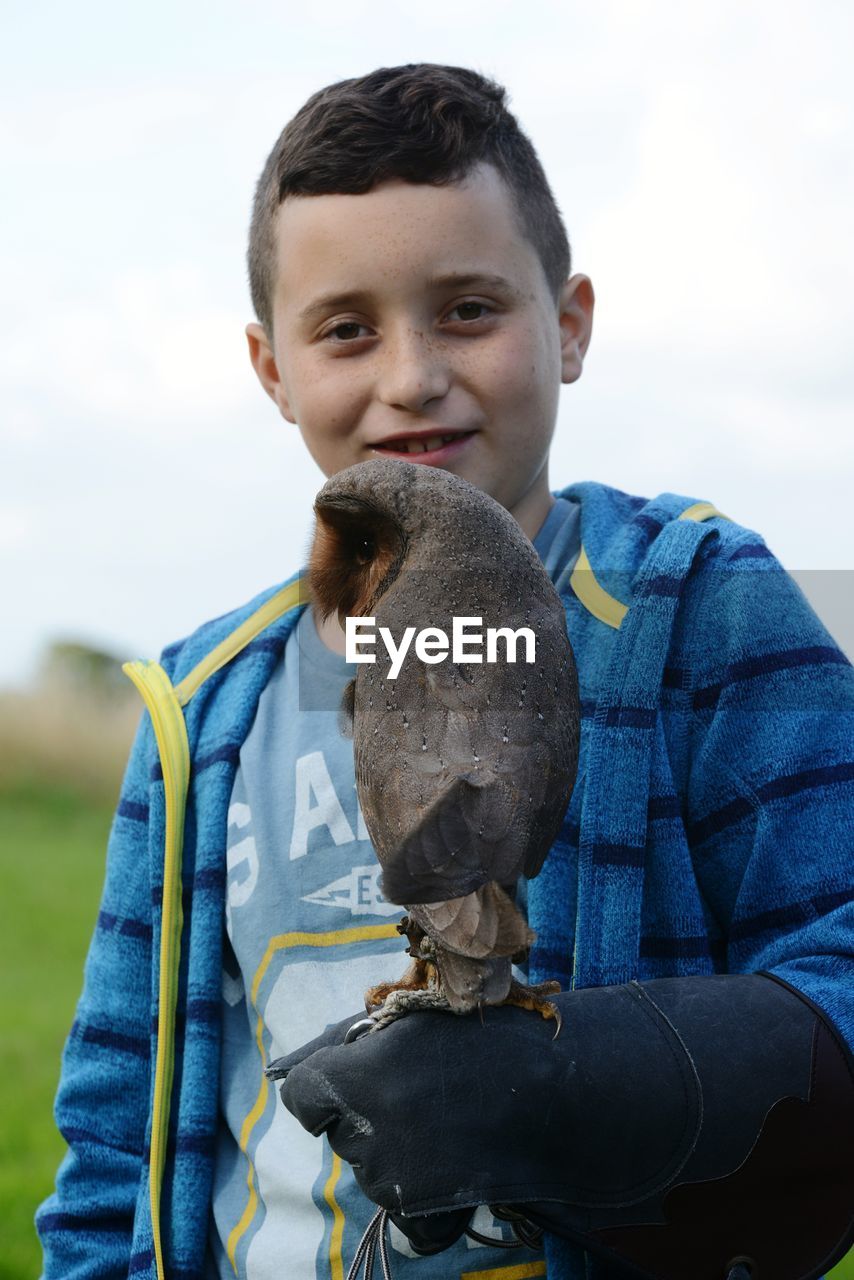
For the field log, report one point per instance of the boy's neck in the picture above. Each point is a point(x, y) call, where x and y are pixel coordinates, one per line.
point(330, 630)
point(532, 510)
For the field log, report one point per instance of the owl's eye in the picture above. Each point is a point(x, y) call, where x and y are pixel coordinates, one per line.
point(365, 549)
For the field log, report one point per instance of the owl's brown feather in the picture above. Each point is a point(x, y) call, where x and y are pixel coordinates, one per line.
point(483, 923)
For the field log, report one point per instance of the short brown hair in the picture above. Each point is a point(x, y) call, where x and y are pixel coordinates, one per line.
point(422, 122)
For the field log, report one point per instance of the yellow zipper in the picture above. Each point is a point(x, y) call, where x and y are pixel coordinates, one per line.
point(164, 702)
point(294, 593)
point(701, 511)
point(593, 596)
point(596, 599)
point(171, 733)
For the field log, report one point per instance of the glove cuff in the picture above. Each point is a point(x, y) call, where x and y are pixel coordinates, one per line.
point(769, 1182)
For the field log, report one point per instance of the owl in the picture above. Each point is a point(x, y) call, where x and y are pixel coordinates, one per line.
point(465, 761)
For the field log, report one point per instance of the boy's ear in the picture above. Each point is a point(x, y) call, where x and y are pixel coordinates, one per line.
point(576, 325)
point(267, 371)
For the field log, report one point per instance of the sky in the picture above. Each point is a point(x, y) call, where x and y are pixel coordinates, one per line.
point(701, 156)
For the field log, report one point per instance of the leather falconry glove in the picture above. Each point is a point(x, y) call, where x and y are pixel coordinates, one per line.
point(681, 1126)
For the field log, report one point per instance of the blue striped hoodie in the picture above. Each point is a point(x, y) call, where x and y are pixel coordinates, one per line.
point(710, 830)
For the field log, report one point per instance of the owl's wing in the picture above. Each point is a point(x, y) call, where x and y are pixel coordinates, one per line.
point(442, 856)
point(473, 789)
point(487, 825)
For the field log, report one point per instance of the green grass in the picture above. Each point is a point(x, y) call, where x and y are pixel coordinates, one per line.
point(52, 860)
point(845, 1269)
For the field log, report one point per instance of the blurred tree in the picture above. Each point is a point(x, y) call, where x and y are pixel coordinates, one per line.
point(83, 669)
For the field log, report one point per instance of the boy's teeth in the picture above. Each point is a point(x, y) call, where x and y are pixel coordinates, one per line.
point(423, 446)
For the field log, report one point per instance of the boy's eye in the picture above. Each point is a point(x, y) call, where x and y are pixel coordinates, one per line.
point(479, 306)
point(345, 325)
point(348, 330)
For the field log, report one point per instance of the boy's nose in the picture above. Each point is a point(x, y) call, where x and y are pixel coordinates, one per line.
point(414, 371)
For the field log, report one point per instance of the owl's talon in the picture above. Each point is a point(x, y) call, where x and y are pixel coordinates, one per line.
point(358, 1029)
point(533, 998)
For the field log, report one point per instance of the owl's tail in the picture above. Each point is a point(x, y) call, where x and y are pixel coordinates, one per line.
point(476, 938)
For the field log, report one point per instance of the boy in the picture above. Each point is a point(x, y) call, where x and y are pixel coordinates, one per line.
point(708, 836)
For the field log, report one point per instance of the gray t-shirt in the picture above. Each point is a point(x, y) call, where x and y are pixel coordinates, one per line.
point(308, 931)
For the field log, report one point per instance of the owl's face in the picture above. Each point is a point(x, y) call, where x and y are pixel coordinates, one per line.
point(357, 552)
point(415, 309)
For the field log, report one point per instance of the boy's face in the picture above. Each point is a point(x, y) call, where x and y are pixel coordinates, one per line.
point(373, 350)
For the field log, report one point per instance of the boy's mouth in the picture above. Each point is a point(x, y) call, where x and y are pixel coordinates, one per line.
point(424, 448)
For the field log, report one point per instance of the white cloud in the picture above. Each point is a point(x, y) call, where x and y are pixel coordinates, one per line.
point(146, 349)
point(98, 125)
point(17, 526)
